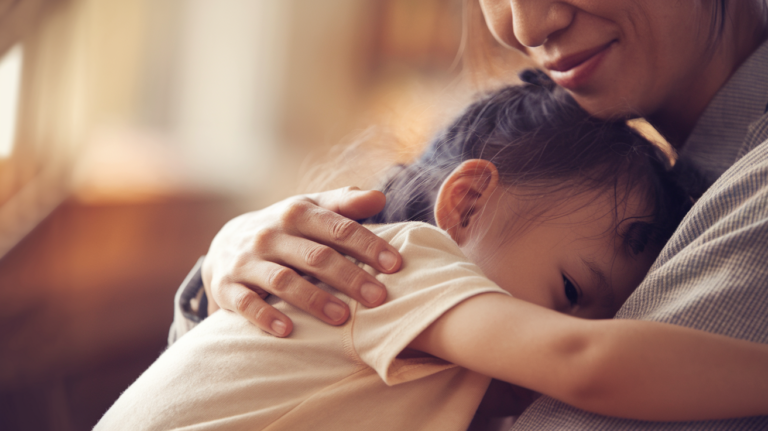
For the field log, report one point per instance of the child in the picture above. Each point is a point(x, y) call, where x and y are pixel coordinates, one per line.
point(544, 215)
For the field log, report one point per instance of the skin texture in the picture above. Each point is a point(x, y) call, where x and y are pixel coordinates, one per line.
point(576, 240)
point(253, 254)
point(659, 62)
point(659, 59)
point(627, 368)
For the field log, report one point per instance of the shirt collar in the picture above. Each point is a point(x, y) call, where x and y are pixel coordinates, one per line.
point(717, 138)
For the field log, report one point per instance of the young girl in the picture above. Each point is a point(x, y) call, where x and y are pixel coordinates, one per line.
point(544, 215)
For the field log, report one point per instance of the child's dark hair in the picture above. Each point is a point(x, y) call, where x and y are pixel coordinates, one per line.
point(538, 137)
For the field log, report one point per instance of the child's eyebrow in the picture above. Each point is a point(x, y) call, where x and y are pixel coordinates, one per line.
point(600, 281)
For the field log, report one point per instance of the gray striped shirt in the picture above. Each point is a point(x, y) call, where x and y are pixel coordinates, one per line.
point(713, 273)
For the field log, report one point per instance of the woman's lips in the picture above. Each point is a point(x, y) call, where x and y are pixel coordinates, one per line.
point(573, 71)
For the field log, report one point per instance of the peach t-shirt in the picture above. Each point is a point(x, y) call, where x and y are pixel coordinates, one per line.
point(226, 374)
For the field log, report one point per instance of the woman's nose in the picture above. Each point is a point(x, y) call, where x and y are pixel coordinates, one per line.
point(535, 21)
point(527, 23)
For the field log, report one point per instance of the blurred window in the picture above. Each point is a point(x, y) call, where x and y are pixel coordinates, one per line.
point(10, 82)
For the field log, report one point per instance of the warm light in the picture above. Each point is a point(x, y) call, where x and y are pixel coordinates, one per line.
point(10, 80)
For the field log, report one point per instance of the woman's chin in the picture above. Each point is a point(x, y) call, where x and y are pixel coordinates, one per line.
point(606, 107)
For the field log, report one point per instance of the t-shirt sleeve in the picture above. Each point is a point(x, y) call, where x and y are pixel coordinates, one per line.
point(435, 277)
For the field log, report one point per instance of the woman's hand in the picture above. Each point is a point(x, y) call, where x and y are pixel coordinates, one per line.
point(266, 252)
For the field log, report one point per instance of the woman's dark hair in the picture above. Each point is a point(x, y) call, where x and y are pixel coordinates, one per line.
point(539, 138)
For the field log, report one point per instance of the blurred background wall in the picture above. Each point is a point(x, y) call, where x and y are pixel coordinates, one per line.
point(132, 130)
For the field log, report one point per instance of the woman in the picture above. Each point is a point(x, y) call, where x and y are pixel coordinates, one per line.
point(694, 69)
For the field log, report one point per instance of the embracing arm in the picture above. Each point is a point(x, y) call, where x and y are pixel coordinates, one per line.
point(263, 252)
point(626, 368)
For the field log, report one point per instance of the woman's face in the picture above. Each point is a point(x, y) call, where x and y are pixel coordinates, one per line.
point(616, 57)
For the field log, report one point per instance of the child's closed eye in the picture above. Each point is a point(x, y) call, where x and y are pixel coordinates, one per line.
point(570, 291)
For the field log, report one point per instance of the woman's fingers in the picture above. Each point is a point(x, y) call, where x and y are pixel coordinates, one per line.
point(296, 290)
point(249, 304)
point(330, 267)
point(289, 286)
point(351, 202)
point(315, 247)
point(343, 234)
point(264, 252)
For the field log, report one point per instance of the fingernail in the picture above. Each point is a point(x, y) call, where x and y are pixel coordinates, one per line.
point(278, 327)
point(334, 311)
point(371, 292)
point(387, 260)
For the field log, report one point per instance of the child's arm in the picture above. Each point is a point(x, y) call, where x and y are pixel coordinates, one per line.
point(626, 368)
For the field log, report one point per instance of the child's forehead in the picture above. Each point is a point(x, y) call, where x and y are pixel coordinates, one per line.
point(592, 226)
point(578, 204)
point(594, 220)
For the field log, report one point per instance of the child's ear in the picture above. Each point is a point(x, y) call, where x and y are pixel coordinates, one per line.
point(465, 191)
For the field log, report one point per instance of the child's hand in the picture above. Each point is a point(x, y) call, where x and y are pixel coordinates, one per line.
point(264, 252)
